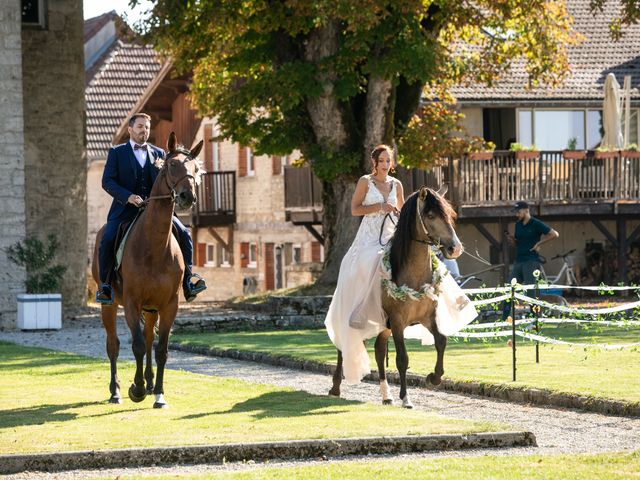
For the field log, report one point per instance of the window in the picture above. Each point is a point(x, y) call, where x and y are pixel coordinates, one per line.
point(251, 165)
point(253, 255)
point(210, 260)
point(296, 254)
point(550, 129)
point(33, 13)
point(224, 259)
point(317, 252)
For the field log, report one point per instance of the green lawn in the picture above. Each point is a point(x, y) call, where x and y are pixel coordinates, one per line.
point(587, 371)
point(569, 467)
point(54, 401)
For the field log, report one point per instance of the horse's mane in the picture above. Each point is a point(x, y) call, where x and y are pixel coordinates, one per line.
point(402, 237)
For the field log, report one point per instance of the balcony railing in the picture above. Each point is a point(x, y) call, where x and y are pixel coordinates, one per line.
point(216, 204)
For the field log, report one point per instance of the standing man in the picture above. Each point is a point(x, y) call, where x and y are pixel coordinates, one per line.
point(128, 177)
point(530, 234)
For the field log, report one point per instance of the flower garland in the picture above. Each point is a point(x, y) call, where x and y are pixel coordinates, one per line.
point(404, 292)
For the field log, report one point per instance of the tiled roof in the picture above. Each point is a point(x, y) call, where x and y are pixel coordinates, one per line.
point(590, 62)
point(114, 91)
point(94, 25)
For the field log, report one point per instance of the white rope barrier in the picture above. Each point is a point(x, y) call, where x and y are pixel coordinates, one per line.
point(598, 288)
point(553, 341)
point(489, 301)
point(579, 311)
point(483, 326)
point(610, 323)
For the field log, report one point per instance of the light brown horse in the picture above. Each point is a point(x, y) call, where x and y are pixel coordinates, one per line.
point(426, 219)
point(151, 274)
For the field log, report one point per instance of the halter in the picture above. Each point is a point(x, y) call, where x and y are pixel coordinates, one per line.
point(173, 193)
point(429, 240)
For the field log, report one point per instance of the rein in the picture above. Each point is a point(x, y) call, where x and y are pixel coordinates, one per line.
point(429, 240)
point(388, 215)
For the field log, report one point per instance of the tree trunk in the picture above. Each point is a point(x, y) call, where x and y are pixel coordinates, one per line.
point(339, 226)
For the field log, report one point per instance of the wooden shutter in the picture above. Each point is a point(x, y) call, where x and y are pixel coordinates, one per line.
point(316, 255)
point(244, 254)
point(208, 148)
point(276, 163)
point(201, 254)
point(269, 265)
point(242, 161)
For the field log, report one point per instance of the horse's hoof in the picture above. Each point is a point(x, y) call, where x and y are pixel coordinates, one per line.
point(431, 378)
point(334, 393)
point(388, 401)
point(116, 400)
point(406, 403)
point(160, 405)
point(136, 396)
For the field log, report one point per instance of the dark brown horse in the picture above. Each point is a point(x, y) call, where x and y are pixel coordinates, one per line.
point(426, 219)
point(150, 277)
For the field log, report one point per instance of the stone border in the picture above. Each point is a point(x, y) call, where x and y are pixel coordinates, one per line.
point(503, 392)
point(295, 449)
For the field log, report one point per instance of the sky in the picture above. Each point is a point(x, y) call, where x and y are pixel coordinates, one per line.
point(93, 8)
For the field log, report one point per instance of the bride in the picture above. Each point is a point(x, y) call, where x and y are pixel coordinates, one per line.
point(355, 313)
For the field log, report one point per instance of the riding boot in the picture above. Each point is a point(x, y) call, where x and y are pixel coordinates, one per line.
point(190, 288)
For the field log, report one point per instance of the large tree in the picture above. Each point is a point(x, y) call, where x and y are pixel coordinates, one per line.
point(333, 78)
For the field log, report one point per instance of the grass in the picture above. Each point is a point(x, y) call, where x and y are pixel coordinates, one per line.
point(57, 402)
point(586, 371)
point(565, 467)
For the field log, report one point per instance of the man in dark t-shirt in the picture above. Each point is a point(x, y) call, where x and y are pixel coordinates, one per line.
point(530, 234)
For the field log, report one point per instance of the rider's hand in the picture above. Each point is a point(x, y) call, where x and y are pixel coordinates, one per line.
point(387, 207)
point(536, 248)
point(135, 200)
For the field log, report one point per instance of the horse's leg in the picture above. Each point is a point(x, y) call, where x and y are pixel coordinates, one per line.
point(109, 320)
point(133, 314)
point(150, 319)
point(402, 362)
point(167, 317)
point(440, 342)
point(381, 348)
point(337, 377)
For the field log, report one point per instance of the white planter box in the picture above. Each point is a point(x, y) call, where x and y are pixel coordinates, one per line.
point(40, 311)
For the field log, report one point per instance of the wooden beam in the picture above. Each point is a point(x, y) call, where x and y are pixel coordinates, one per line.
point(634, 235)
point(315, 233)
point(605, 232)
point(226, 245)
point(487, 234)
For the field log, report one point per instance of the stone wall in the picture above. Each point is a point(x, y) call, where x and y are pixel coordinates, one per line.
point(12, 205)
point(55, 164)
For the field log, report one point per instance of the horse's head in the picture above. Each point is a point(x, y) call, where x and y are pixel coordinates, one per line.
point(182, 172)
point(434, 221)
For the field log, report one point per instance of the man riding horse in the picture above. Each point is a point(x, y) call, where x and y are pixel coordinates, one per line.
point(128, 177)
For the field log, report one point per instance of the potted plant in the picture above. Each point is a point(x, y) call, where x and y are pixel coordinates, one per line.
point(572, 151)
point(41, 306)
point(603, 152)
point(479, 149)
point(630, 151)
point(524, 153)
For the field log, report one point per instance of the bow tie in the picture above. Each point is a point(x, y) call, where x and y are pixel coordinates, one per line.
point(140, 147)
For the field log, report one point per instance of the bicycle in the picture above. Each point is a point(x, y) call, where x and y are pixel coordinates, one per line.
point(566, 270)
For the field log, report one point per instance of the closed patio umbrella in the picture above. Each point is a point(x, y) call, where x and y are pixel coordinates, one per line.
point(611, 113)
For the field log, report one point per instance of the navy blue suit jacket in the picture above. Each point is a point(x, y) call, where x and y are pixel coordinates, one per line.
point(119, 177)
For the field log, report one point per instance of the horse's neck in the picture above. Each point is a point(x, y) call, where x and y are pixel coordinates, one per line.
point(417, 269)
point(158, 215)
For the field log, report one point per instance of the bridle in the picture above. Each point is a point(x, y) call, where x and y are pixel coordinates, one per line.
point(172, 189)
point(429, 240)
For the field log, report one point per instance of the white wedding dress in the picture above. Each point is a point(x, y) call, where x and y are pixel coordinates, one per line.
point(355, 313)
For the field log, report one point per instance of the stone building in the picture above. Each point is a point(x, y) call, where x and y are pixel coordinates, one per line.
point(42, 172)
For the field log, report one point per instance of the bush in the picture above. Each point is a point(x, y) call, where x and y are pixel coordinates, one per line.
point(36, 258)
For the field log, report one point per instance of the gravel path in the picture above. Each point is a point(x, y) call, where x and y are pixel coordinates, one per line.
point(557, 430)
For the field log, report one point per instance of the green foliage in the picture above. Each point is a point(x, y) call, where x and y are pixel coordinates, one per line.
point(632, 147)
point(518, 147)
point(572, 144)
point(37, 257)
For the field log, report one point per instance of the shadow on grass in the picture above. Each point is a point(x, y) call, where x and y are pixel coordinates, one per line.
point(284, 405)
point(39, 415)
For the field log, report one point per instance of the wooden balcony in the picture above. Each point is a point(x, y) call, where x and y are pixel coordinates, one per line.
point(216, 204)
point(302, 196)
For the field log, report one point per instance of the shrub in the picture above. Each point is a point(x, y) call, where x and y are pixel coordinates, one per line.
point(37, 258)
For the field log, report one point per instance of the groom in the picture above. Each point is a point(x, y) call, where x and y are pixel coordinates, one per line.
point(128, 177)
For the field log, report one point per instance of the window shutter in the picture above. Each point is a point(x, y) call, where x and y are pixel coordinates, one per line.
point(315, 252)
point(201, 254)
point(242, 161)
point(276, 163)
point(208, 148)
point(244, 254)
point(269, 274)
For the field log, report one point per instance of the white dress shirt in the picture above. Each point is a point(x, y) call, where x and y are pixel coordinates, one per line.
point(140, 154)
